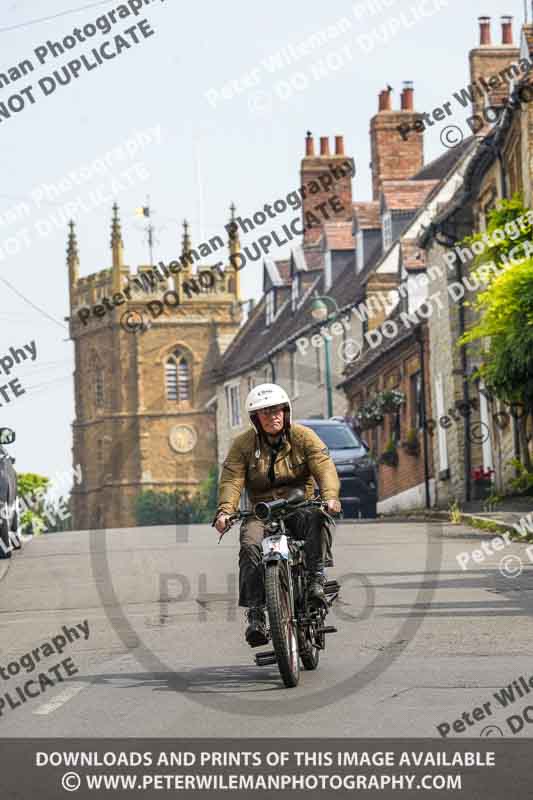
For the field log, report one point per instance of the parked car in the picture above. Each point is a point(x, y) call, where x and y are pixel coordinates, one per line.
point(356, 469)
point(8, 497)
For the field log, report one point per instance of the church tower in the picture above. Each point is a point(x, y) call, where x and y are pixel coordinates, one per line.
point(146, 347)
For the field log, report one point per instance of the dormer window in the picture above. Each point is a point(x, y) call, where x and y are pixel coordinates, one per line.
point(359, 251)
point(386, 222)
point(295, 291)
point(270, 306)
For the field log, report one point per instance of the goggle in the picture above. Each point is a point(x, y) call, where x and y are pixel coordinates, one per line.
point(271, 411)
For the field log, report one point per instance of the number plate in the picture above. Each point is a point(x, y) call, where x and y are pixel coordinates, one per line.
point(276, 545)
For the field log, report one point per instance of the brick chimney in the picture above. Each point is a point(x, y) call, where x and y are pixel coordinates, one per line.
point(492, 61)
point(395, 157)
point(327, 178)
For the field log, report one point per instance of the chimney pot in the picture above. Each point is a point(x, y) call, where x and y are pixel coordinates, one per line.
point(339, 145)
point(484, 30)
point(309, 144)
point(324, 146)
point(507, 30)
point(385, 103)
point(408, 96)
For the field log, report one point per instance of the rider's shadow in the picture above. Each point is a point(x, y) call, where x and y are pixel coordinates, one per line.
point(229, 679)
point(233, 678)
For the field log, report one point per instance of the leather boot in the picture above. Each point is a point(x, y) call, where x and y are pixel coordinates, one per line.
point(256, 634)
point(315, 590)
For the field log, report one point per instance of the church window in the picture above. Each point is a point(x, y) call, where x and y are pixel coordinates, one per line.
point(99, 386)
point(178, 377)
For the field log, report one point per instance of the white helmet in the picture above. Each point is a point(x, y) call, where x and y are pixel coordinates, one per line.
point(264, 396)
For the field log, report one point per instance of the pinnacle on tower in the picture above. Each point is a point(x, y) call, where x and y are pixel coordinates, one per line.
point(116, 231)
point(117, 248)
point(73, 262)
point(186, 240)
point(72, 243)
point(234, 247)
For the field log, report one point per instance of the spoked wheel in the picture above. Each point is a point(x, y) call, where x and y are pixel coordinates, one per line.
point(282, 628)
point(309, 652)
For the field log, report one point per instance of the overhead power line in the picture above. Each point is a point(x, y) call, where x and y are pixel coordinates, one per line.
point(53, 16)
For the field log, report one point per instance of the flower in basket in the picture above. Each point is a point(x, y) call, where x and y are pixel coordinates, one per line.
point(390, 401)
point(481, 474)
point(369, 415)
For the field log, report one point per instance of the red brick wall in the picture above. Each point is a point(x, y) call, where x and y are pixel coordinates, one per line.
point(393, 370)
point(314, 167)
point(393, 156)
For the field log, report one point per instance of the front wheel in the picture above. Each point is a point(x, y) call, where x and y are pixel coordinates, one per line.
point(282, 627)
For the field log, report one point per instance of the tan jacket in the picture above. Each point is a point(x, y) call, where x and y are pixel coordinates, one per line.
point(302, 457)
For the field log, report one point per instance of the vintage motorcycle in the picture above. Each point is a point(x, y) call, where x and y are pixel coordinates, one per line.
point(297, 628)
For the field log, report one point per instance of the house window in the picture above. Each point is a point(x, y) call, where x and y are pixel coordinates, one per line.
point(178, 377)
point(359, 252)
point(396, 427)
point(416, 401)
point(233, 400)
point(328, 277)
point(295, 290)
point(386, 222)
point(293, 375)
point(270, 306)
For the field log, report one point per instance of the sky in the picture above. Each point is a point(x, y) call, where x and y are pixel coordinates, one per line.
point(208, 105)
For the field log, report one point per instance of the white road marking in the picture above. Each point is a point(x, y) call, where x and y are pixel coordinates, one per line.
point(63, 697)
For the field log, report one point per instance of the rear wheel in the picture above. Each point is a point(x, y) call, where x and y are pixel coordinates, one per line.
point(309, 653)
point(282, 627)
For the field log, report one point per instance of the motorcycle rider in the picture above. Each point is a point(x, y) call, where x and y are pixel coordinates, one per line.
point(270, 460)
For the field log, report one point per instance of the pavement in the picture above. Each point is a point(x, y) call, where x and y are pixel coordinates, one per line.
point(420, 643)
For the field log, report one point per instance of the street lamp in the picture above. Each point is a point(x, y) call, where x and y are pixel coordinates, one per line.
point(321, 313)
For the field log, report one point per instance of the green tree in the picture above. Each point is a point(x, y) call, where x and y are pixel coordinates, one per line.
point(178, 507)
point(31, 490)
point(504, 332)
point(509, 226)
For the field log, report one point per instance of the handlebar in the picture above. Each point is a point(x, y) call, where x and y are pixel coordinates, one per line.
point(266, 511)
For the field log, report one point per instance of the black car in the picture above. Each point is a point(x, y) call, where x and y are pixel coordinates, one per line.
point(355, 468)
point(8, 497)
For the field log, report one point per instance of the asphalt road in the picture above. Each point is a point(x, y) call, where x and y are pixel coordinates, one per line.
point(420, 641)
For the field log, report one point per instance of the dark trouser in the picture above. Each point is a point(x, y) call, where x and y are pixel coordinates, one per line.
point(308, 524)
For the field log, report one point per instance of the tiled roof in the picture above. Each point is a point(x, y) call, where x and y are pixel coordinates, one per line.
point(368, 215)
point(441, 166)
point(254, 340)
point(373, 354)
point(407, 195)
point(338, 236)
point(413, 257)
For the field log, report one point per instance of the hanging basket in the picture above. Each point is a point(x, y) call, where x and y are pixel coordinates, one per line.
point(389, 458)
